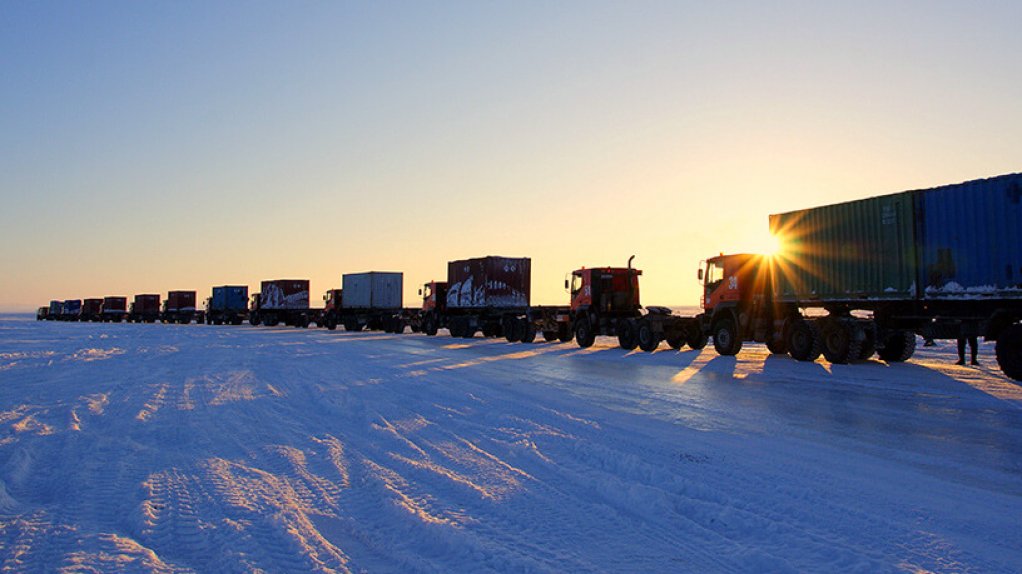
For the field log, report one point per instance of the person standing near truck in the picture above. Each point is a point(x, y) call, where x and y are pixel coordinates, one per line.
point(968, 333)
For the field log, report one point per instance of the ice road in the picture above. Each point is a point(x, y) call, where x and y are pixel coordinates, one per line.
point(180, 448)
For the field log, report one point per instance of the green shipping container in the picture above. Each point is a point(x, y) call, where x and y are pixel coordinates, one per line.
point(849, 252)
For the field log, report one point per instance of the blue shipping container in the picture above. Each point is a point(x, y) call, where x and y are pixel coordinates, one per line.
point(71, 307)
point(229, 298)
point(969, 239)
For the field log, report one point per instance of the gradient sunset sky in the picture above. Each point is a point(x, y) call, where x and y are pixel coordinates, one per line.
point(155, 146)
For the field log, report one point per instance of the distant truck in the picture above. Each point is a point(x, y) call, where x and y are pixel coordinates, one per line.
point(283, 301)
point(144, 309)
point(228, 305)
point(115, 309)
point(366, 300)
point(487, 294)
point(54, 310)
point(69, 310)
point(179, 307)
point(42, 313)
point(91, 310)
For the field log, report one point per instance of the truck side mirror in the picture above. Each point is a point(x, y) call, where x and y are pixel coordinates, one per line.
point(566, 284)
point(420, 292)
point(699, 274)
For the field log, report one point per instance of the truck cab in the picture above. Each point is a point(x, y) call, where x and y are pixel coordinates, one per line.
point(731, 279)
point(332, 308)
point(434, 296)
point(738, 302)
point(606, 290)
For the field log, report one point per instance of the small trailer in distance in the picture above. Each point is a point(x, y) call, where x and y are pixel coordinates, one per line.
point(144, 309)
point(69, 310)
point(179, 307)
point(92, 310)
point(115, 309)
point(283, 301)
point(228, 305)
point(366, 300)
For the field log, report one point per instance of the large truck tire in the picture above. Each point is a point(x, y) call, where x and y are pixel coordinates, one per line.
point(675, 341)
point(842, 342)
point(528, 331)
point(696, 339)
point(564, 332)
point(584, 334)
point(899, 346)
point(1009, 352)
point(804, 341)
point(627, 334)
point(649, 339)
point(549, 336)
point(725, 337)
point(430, 326)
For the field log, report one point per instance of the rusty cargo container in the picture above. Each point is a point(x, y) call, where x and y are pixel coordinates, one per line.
point(489, 282)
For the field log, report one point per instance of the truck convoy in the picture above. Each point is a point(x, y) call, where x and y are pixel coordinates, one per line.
point(852, 280)
point(228, 305)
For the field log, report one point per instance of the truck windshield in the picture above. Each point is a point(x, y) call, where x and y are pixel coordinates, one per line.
point(714, 274)
point(576, 282)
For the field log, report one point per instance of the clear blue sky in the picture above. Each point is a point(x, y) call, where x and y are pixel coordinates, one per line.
point(150, 146)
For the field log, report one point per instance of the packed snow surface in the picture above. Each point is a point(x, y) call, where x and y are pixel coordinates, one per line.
point(175, 448)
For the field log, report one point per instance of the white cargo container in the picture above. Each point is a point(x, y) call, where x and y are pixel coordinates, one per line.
point(372, 290)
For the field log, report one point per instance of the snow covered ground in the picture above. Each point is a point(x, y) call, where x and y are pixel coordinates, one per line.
point(233, 449)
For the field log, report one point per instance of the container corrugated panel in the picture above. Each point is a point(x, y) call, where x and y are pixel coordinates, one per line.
point(970, 238)
point(181, 301)
point(372, 290)
point(492, 281)
point(229, 298)
point(854, 251)
point(280, 294)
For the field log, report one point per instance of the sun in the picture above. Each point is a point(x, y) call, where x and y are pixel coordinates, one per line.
point(772, 245)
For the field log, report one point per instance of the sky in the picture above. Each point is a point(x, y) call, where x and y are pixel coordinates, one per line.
point(156, 146)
